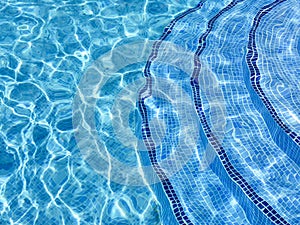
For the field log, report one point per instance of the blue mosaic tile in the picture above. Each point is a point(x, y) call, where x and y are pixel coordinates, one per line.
point(149, 112)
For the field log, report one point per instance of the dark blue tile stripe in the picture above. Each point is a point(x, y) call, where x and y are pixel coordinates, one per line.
point(252, 213)
point(146, 92)
point(262, 205)
point(255, 76)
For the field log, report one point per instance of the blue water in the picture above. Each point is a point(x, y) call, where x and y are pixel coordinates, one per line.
point(102, 124)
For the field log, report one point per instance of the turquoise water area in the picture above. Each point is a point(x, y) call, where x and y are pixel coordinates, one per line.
point(103, 124)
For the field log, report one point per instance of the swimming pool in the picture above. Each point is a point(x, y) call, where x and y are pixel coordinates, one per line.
point(150, 112)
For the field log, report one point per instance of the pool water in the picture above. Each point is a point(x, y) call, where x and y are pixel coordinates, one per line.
point(150, 112)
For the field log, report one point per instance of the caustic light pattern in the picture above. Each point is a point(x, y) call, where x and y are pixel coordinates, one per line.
point(205, 111)
point(242, 163)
